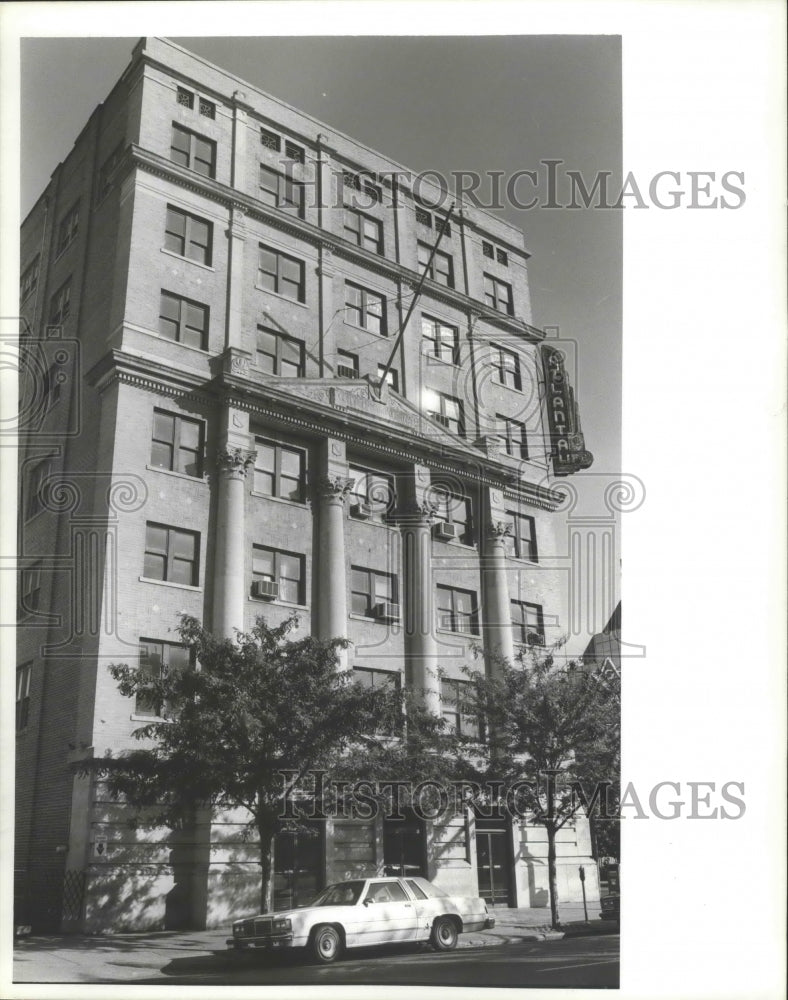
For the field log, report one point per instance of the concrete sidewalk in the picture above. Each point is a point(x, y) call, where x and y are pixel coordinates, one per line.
point(125, 958)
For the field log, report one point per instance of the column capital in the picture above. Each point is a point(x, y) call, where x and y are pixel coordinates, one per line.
point(415, 514)
point(333, 488)
point(235, 462)
point(498, 530)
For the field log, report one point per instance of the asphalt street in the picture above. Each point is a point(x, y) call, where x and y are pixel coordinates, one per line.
point(587, 961)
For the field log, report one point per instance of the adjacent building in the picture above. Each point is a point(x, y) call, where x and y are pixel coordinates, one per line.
point(219, 418)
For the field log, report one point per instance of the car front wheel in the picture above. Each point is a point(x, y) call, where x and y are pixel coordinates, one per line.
point(444, 934)
point(326, 944)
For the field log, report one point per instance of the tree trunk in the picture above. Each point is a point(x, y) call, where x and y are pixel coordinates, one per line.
point(266, 834)
point(552, 881)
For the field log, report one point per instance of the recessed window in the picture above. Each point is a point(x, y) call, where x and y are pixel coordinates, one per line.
point(29, 280)
point(441, 268)
point(423, 217)
point(279, 470)
point(363, 230)
point(507, 366)
point(347, 364)
point(488, 250)
point(512, 436)
point(177, 443)
point(188, 235)
point(283, 568)
point(498, 294)
point(156, 659)
point(454, 509)
point(364, 308)
point(495, 253)
point(355, 182)
point(522, 541)
point(184, 97)
point(30, 590)
point(34, 501)
point(456, 697)
point(60, 304)
point(392, 377)
point(371, 678)
point(294, 152)
point(270, 139)
point(528, 623)
point(171, 554)
point(281, 191)
point(370, 589)
point(207, 108)
point(457, 610)
point(278, 354)
point(107, 167)
point(373, 490)
point(24, 675)
point(280, 273)
point(441, 340)
point(447, 410)
point(501, 256)
point(188, 149)
point(183, 320)
point(69, 225)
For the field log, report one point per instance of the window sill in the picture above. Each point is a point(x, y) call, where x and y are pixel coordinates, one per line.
point(178, 475)
point(378, 522)
point(278, 604)
point(148, 718)
point(375, 621)
point(206, 352)
point(456, 543)
point(522, 559)
point(301, 504)
point(170, 583)
point(365, 329)
point(442, 361)
point(283, 298)
point(459, 635)
point(188, 260)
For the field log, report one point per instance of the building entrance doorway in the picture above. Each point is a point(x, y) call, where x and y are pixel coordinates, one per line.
point(404, 846)
point(493, 862)
point(298, 866)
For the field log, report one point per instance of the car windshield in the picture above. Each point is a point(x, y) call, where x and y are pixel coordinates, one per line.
point(341, 894)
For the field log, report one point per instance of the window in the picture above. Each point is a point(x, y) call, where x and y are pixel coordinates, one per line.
point(155, 660)
point(457, 611)
point(354, 182)
point(30, 590)
point(177, 443)
point(67, 232)
point(368, 588)
point(373, 488)
point(184, 97)
point(455, 696)
point(447, 410)
point(270, 139)
point(278, 354)
point(280, 273)
point(171, 554)
point(347, 364)
point(207, 108)
point(443, 341)
point(281, 191)
point(441, 268)
point(38, 475)
point(106, 170)
point(363, 230)
point(183, 321)
point(498, 294)
point(495, 253)
point(377, 678)
point(188, 149)
point(424, 218)
point(522, 541)
point(284, 568)
point(386, 892)
point(488, 250)
point(392, 377)
point(294, 152)
point(29, 280)
point(528, 623)
point(60, 304)
point(512, 435)
point(23, 677)
point(188, 236)
point(364, 308)
point(455, 509)
point(507, 364)
point(502, 256)
point(279, 470)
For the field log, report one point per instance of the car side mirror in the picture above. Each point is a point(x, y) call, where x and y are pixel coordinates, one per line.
point(368, 900)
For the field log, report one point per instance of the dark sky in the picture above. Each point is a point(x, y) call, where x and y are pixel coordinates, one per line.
point(500, 103)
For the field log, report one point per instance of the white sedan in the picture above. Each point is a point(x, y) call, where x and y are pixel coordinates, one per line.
point(363, 912)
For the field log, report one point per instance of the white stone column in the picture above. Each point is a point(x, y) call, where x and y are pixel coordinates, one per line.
point(229, 578)
point(235, 277)
point(331, 489)
point(497, 603)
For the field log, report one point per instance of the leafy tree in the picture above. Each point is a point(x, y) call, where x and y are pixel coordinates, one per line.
point(552, 738)
point(249, 712)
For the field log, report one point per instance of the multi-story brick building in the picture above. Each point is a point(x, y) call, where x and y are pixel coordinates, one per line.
point(212, 288)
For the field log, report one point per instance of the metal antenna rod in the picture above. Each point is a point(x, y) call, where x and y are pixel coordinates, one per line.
point(416, 294)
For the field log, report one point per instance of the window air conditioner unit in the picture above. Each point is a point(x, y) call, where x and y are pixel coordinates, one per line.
point(362, 511)
point(386, 611)
point(443, 421)
point(447, 530)
point(534, 639)
point(345, 371)
point(266, 589)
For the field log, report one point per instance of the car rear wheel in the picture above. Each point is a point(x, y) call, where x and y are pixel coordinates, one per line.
point(326, 944)
point(444, 934)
